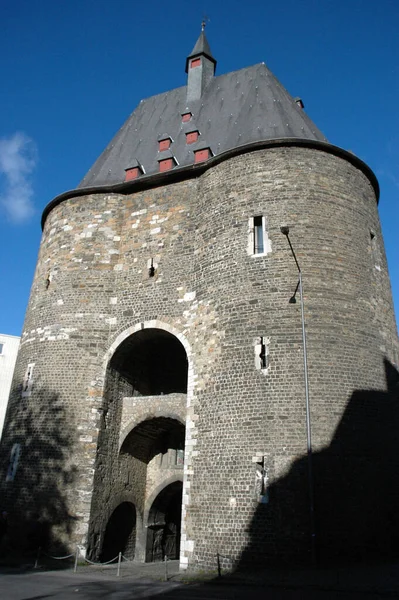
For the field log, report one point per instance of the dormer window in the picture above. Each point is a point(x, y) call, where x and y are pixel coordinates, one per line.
point(164, 144)
point(192, 137)
point(195, 62)
point(132, 173)
point(202, 155)
point(134, 170)
point(166, 164)
point(186, 117)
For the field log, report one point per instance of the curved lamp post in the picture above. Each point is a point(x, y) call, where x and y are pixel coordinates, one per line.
point(285, 231)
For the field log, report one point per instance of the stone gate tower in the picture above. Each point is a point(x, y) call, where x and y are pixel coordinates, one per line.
point(158, 406)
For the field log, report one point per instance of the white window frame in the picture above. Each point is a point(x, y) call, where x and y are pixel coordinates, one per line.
point(262, 354)
point(267, 246)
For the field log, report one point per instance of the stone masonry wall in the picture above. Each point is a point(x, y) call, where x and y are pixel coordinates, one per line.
point(92, 288)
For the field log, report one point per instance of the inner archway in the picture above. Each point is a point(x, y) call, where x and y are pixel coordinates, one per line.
point(164, 524)
point(120, 533)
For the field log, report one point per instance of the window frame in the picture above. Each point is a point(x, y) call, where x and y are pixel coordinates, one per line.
point(267, 246)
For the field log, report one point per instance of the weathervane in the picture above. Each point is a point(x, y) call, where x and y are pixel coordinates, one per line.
point(204, 21)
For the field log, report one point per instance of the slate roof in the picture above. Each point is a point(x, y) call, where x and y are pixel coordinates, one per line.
point(249, 105)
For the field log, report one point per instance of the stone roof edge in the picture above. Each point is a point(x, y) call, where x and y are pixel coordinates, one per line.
point(196, 169)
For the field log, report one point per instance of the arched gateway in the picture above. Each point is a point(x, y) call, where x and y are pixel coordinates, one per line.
point(141, 448)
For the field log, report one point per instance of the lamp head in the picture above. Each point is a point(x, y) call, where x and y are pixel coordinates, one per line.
point(285, 229)
point(292, 300)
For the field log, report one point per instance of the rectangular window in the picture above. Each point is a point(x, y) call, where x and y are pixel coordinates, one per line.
point(1, 348)
point(180, 457)
point(28, 381)
point(258, 240)
point(258, 235)
point(261, 346)
point(375, 255)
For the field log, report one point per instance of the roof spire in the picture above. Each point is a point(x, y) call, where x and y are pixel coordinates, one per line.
point(200, 66)
point(201, 47)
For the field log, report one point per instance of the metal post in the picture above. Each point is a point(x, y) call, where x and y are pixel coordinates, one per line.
point(75, 568)
point(285, 231)
point(308, 429)
point(36, 565)
point(166, 568)
point(118, 572)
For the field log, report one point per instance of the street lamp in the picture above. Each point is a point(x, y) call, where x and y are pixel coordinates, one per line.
point(285, 231)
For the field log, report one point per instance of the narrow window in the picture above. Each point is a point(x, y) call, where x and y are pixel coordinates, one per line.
point(261, 492)
point(13, 464)
point(28, 381)
point(375, 255)
point(261, 346)
point(1, 348)
point(180, 457)
point(258, 235)
point(259, 243)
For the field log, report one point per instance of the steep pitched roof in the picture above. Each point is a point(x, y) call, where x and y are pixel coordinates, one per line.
point(249, 105)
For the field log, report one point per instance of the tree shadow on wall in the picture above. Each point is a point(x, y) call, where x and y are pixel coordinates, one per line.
point(356, 493)
point(36, 472)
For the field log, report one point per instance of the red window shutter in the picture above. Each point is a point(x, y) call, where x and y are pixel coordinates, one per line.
point(166, 164)
point(164, 145)
point(192, 137)
point(201, 155)
point(132, 173)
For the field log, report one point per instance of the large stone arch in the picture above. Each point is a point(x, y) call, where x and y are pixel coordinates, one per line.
point(150, 324)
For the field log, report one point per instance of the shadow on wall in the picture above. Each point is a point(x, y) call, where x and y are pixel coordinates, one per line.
point(35, 471)
point(356, 492)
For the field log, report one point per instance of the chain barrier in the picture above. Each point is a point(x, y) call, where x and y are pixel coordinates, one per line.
point(96, 564)
point(76, 555)
point(59, 557)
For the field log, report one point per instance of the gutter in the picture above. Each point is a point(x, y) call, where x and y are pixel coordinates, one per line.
point(195, 170)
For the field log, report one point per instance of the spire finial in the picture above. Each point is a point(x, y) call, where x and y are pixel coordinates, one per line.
point(204, 21)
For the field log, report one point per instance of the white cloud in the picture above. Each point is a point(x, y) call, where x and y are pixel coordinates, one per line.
point(18, 158)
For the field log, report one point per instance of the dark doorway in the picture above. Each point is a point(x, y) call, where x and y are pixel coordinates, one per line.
point(164, 524)
point(120, 533)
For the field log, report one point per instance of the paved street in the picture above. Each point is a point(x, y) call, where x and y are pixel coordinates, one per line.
point(93, 586)
point(145, 581)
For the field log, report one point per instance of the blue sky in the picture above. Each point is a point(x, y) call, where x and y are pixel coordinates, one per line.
point(72, 71)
